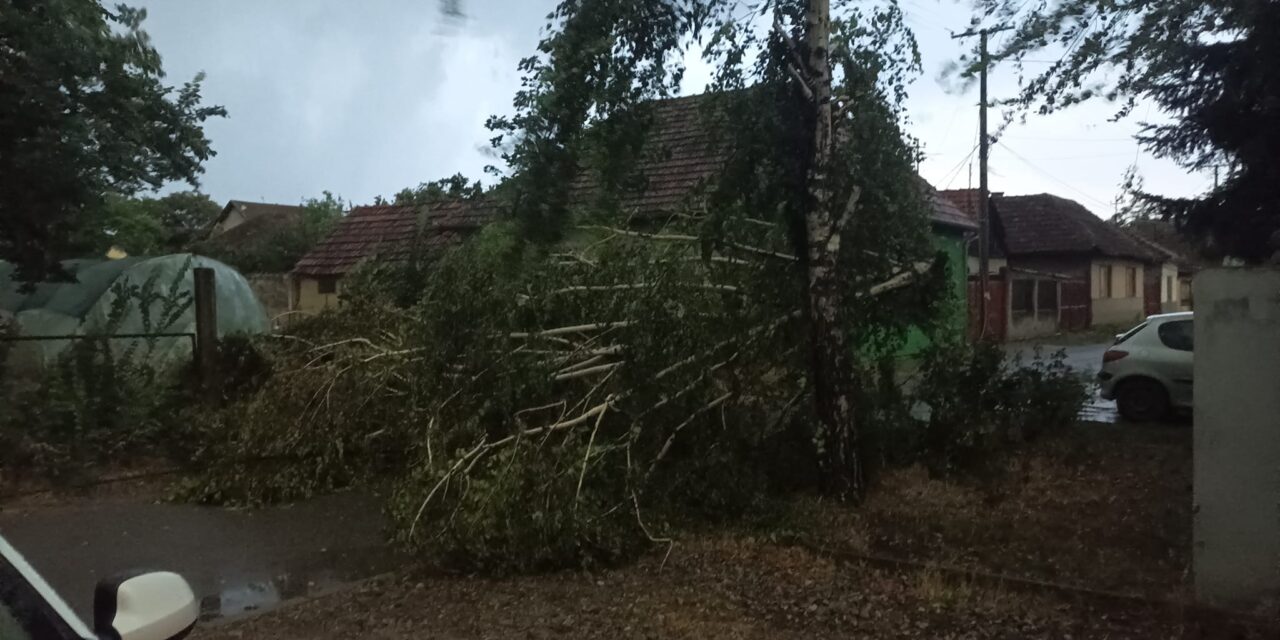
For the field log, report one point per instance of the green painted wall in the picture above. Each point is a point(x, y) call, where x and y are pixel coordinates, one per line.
point(951, 243)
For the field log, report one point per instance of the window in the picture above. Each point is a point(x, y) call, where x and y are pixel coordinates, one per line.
point(327, 284)
point(1168, 288)
point(1130, 282)
point(1023, 297)
point(23, 612)
point(1131, 333)
point(1104, 281)
point(1047, 299)
point(1178, 335)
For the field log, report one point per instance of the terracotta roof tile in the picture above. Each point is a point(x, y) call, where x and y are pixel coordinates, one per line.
point(1044, 223)
point(392, 231)
point(680, 156)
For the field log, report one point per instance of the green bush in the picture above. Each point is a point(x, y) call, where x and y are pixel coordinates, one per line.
point(98, 403)
point(977, 402)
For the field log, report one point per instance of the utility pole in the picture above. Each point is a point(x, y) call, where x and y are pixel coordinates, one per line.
point(984, 195)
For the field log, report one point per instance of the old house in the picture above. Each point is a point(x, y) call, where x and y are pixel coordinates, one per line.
point(390, 232)
point(681, 158)
point(1172, 291)
point(1067, 269)
point(239, 212)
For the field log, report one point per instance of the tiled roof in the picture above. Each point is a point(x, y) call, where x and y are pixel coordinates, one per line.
point(1163, 237)
point(254, 210)
point(1044, 223)
point(392, 231)
point(257, 229)
point(946, 213)
point(680, 154)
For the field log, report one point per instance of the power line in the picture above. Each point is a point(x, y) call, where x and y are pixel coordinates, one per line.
point(1058, 139)
point(955, 171)
point(1050, 176)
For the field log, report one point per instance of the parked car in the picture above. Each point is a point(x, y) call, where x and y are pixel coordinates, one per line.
point(1148, 371)
point(137, 606)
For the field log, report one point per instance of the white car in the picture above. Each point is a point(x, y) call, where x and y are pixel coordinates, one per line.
point(1148, 371)
point(140, 606)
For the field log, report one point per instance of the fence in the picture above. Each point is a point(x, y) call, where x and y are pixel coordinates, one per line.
point(204, 341)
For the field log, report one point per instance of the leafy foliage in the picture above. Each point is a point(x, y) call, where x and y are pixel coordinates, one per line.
point(455, 186)
point(145, 225)
point(1205, 64)
point(102, 401)
point(977, 402)
point(83, 113)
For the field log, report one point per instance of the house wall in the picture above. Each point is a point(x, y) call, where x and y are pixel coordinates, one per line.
point(1236, 445)
point(1121, 306)
point(307, 296)
point(1170, 291)
point(233, 220)
point(994, 265)
point(1185, 302)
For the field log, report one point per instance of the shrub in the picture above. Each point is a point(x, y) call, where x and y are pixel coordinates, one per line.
point(977, 402)
point(98, 402)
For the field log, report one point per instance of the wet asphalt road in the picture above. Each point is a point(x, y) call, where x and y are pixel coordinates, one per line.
point(235, 560)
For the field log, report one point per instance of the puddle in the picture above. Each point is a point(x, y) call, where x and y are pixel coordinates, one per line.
point(316, 575)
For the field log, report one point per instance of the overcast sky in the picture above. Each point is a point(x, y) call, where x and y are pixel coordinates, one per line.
point(365, 98)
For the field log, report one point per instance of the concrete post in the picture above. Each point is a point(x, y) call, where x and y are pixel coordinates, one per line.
point(1237, 436)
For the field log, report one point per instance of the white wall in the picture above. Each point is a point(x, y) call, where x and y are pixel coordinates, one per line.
point(1237, 436)
point(1122, 306)
point(1170, 296)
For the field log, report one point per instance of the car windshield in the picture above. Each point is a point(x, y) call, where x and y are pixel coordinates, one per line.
point(1131, 333)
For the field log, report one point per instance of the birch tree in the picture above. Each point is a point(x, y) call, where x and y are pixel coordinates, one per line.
point(604, 59)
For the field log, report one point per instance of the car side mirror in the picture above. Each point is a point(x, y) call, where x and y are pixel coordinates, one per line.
point(144, 606)
point(1117, 338)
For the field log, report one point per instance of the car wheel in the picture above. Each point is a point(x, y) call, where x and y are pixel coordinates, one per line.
point(1142, 400)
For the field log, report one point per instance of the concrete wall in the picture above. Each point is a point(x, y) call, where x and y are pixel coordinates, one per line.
point(1122, 302)
point(1237, 436)
point(308, 298)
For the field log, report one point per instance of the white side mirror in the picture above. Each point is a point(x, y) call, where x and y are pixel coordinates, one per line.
point(147, 606)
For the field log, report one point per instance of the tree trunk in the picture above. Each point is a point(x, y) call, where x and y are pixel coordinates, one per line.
point(832, 371)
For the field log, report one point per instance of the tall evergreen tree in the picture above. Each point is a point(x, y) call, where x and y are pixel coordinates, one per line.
point(1211, 67)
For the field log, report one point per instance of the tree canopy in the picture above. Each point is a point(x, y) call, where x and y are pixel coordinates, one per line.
point(84, 113)
point(144, 225)
point(1209, 66)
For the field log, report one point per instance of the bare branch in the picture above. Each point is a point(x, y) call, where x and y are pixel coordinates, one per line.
point(900, 280)
point(589, 371)
point(580, 328)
